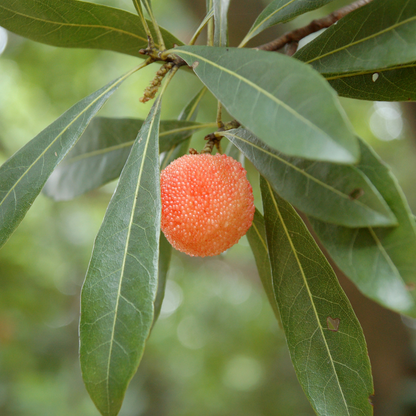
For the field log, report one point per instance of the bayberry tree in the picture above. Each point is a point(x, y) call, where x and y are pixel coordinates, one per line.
point(277, 107)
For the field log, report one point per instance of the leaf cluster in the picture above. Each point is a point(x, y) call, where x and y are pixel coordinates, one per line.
point(290, 126)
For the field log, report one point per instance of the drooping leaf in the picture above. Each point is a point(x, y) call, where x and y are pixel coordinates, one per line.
point(281, 11)
point(287, 105)
point(117, 301)
point(378, 35)
point(325, 340)
point(256, 236)
point(23, 175)
point(396, 83)
point(221, 24)
point(102, 151)
point(378, 260)
point(320, 189)
point(77, 24)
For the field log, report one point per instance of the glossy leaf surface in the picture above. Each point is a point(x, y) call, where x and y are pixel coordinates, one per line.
point(256, 236)
point(77, 24)
point(281, 11)
point(378, 35)
point(102, 151)
point(285, 103)
point(378, 260)
point(23, 175)
point(117, 301)
point(325, 340)
point(396, 83)
point(221, 24)
point(320, 189)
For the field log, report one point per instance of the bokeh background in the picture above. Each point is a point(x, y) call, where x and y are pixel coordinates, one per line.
point(216, 349)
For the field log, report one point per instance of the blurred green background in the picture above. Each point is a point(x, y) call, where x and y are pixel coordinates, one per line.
point(216, 349)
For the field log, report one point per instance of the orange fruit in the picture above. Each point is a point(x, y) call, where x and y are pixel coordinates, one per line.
point(207, 203)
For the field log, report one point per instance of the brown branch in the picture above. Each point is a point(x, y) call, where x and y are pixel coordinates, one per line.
point(298, 34)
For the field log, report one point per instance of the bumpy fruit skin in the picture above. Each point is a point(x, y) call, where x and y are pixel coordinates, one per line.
point(207, 203)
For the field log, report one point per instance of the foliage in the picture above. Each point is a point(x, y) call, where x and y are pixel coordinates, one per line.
point(287, 120)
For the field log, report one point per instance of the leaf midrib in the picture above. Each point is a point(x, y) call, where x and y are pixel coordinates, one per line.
point(323, 184)
point(309, 293)
point(373, 71)
point(118, 81)
point(75, 25)
point(362, 40)
point(126, 252)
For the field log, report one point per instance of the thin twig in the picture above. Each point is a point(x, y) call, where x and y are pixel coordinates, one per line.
point(210, 34)
point(220, 124)
point(314, 26)
point(142, 18)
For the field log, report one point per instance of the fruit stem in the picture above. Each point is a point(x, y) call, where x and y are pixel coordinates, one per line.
point(214, 139)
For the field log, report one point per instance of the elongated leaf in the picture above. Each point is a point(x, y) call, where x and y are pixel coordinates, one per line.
point(281, 11)
point(378, 35)
point(102, 151)
point(23, 175)
point(378, 260)
point(77, 24)
point(287, 105)
point(396, 83)
point(117, 301)
point(320, 189)
point(324, 337)
point(256, 236)
point(221, 24)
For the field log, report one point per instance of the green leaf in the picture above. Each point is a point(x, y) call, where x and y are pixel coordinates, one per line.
point(320, 189)
point(221, 23)
point(396, 83)
point(102, 151)
point(256, 236)
point(378, 35)
point(117, 301)
point(281, 11)
point(378, 260)
point(286, 104)
point(325, 340)
point(77, 24)
point(23, 175)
